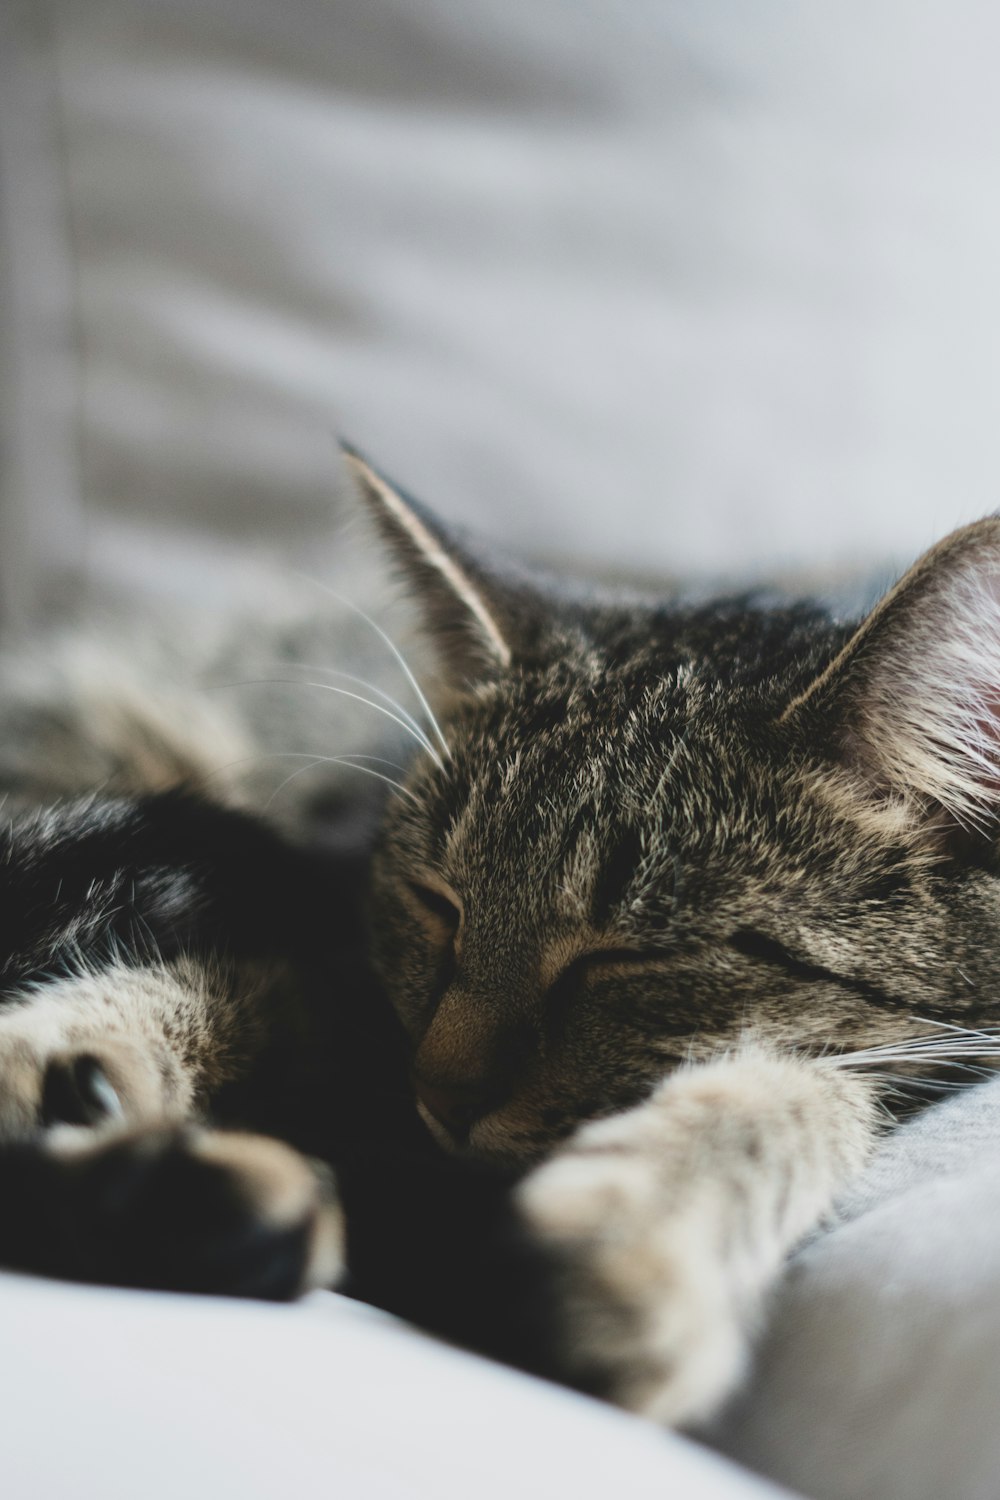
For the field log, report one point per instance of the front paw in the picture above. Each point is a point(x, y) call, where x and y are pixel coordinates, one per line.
point(190, 1211)
point(669, 1223)
point(647, 1316)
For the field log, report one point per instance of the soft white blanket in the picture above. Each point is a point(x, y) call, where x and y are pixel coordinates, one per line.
point(133, 1396)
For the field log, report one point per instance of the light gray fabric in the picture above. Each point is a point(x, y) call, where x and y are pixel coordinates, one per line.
point(41, 510)
point(879, 1377)
point(672, 284)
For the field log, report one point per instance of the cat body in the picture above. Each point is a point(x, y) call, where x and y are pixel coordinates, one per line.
point(700, 876)
point(663, 900)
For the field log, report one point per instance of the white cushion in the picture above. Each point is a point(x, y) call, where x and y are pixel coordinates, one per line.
point(120, 1395)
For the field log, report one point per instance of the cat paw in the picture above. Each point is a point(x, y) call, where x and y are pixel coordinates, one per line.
point(646, 1314)
point(669, 1224)
point(190, 1211)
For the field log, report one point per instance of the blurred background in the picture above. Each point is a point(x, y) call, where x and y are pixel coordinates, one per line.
point(694, 286)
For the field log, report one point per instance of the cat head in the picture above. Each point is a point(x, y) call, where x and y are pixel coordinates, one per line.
point(642, 834)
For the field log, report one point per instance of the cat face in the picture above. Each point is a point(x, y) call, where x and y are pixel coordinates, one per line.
point(657, 833)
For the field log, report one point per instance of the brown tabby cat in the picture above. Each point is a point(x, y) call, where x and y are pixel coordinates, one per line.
point(683, 868)
point(694, 875)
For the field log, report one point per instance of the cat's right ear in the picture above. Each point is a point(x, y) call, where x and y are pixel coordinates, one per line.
point(912, 703)
point(480, 624)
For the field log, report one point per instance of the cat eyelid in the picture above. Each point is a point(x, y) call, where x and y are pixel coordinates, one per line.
point(766, 949)
point(438, 899)
point(763, 949)
point(606, 958)
point(633, 956)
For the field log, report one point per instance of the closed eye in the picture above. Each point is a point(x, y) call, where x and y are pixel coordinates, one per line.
point(767, 950)
point(442, 908)
point(568, 983)
point(441, 917)
point(763, 949)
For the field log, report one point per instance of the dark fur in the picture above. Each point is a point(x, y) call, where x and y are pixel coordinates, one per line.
point(658, 848)
point(142, 881)
point(656, 833)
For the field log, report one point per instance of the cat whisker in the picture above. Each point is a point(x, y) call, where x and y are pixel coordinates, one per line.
point(415, 733)
point(313, 757)
point(418, 736)
point(959, 1050)
point(899, 1083)
point(992, 1032)
point(346, 760)
point(951, 1056)
point(382, 635)
point(351, 757)
point(882, 1104)
point(304, 666)
point(962, 1037)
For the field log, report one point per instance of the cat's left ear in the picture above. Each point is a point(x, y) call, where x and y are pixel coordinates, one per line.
point(912, 702)
point(479, 622)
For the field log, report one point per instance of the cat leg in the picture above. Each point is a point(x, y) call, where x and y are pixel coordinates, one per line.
point(671, 1221)
point(177, 1210)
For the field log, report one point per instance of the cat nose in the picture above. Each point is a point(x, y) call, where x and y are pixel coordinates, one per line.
point(452, 1106)
point(77, 1091)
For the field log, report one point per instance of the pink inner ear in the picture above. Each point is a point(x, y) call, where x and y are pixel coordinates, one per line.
point(929, 720)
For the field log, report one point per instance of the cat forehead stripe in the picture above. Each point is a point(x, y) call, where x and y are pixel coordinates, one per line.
point(432, 553)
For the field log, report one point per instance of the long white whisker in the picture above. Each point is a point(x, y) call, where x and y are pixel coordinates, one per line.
point(358, 755)
point(305, 666)
point(420, 737)
point(411, 679)
point(962, 1037)
point(959, 1049)
point(262, 755)
point(414, 733)
point(343, 760)
point(991, 1032)
point(312, 757)
point(952, 1056)
point(906, 1087)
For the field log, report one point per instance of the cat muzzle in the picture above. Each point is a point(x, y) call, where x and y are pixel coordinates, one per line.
point(452, 1110)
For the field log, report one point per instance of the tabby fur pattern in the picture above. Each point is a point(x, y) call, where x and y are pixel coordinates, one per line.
point(667, 903)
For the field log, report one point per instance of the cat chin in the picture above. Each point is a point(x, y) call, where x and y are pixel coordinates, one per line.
point(503, 1143)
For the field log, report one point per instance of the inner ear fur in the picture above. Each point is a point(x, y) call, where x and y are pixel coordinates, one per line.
point(912, 702)
point(480, 623)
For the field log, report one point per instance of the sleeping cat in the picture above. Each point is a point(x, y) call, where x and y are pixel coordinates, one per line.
point(696, 876)
point(697, 872)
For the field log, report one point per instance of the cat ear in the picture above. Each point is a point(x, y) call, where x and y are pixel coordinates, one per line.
point(913, 699)
point(479, 623)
